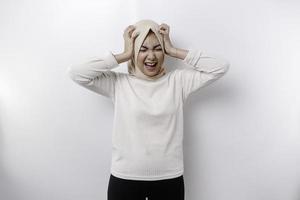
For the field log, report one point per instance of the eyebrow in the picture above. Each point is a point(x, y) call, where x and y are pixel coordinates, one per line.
point(154, 46)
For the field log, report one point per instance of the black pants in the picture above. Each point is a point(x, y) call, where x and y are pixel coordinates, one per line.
point(123, 189)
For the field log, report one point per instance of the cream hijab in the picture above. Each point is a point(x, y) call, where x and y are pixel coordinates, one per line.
point(142, 28)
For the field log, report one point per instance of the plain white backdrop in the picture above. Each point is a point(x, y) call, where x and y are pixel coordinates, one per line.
point(241, 135)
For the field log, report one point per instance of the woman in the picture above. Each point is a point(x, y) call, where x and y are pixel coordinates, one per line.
point(147, 156)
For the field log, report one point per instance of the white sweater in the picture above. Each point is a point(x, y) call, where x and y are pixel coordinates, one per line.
point(147, 133)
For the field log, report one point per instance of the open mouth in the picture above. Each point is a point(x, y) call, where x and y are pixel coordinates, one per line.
point(150, 66)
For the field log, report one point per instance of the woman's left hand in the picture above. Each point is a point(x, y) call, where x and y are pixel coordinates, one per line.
point(164, 29)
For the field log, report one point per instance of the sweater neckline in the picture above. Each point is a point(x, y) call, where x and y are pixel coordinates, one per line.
point(154, 80)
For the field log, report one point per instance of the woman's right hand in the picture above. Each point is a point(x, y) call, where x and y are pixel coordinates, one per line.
point(129, 38)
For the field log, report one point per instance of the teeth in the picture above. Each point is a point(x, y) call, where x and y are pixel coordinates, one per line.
point(150, 64)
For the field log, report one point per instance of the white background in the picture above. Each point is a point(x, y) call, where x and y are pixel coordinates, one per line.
point(242, 134)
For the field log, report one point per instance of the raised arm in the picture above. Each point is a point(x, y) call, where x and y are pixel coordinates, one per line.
point(96, 74)
point(204, 69)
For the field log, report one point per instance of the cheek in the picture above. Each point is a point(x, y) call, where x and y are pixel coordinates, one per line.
point(160, 56)
point(141, 57)
point(140, 60)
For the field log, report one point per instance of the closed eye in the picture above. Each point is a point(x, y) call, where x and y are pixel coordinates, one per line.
point(145, 49)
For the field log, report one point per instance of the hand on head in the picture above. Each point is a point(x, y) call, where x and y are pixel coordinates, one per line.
point(129, 38)
point(164, 29)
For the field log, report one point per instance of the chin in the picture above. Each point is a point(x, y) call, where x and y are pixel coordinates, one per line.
point(151, 73)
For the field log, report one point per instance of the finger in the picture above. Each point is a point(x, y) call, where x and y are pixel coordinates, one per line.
point(163, 28)
point(131, 30)
point(127, 28)
point(135, 34)
point(132, 27)
point(162, 31)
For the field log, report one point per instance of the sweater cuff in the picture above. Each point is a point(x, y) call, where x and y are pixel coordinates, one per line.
point(110, 60)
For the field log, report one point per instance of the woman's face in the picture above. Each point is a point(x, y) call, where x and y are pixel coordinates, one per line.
point(150, 56)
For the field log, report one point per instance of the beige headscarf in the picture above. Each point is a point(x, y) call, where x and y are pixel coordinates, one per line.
point(143, 27)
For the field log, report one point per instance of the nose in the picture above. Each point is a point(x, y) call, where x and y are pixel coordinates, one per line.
point(151, 55)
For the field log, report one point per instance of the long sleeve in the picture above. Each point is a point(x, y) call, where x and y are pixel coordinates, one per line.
point(205, 69)
point(96, 74)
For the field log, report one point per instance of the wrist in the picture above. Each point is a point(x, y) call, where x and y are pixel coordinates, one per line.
point(122, 57)
point(172, 52)
point(126, 55)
